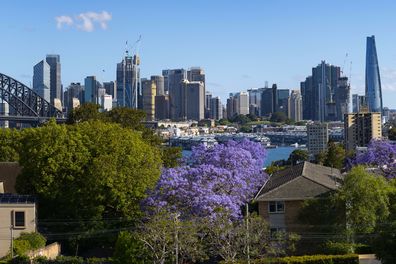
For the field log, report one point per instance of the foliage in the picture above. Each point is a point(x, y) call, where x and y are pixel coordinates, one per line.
point(28, 241)
point(9, 143)
point(334, 156)
point(392, 133)
point(239, 119)
point(271, 169)
point(60, 260)
point(224, 176)
point(278, 117)
point(310, 259)
point(223, 122)
point(171, 156)
point(86, 173)
point(384, 243)
point(246, 129)
point(163, 231)
point(230, 239)
point(85, 112)
point(298, 156)
point(366, 198)
point(380, 154)
point(129, 249)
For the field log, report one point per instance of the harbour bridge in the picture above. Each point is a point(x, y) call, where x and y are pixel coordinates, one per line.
point(27, 105)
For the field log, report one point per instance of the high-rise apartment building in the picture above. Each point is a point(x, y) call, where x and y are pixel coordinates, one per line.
point(53, 61)
point(194, 100)
point(149, 91)
point(373, 80)
point(42, 80)
point(318, 137)
point(318, 93)
point(208, 98)
point(361, 128)
point(216, 108)
point(128, 81)
point(359, 103)
point(295, 106)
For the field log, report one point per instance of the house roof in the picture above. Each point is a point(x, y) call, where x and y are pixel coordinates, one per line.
point(8, 174)
point(9, 198)
point(304, 180)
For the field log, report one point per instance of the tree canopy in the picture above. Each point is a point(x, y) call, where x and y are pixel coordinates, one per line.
point(222, 177)
point(86, 173)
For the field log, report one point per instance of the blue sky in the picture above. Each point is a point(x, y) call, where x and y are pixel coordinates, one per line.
point(240, 44)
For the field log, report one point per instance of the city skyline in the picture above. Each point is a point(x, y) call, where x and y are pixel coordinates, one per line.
point(236, 54)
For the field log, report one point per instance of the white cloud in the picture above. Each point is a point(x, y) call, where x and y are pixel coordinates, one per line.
point(90, 18)
point(85, 21)
point(60, 20)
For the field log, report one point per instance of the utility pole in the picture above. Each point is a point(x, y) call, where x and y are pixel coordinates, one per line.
point(247, 233)
point(12, 240)
point(176, 238)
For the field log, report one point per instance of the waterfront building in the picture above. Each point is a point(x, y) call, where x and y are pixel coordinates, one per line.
point(373, 80)
point(360, 128)
point(317, 138)
point(216, 108)
point(128, 81)
point(295, 106)
point(42, 80)
point(53, 61)
point(149, 91)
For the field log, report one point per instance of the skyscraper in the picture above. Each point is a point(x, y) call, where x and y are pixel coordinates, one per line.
point(216, 108)
point(128, 81)
point(149, 90)
point(295, 106)
point(90, 90)
point(373, 80)
point(159, 83)
point(42, 80)
point(194, 102)
point(318, 92)
point(111, 88)
point(173, 82)
point(53, 61)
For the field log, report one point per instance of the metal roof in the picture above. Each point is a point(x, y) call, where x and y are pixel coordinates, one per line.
point(8, 198)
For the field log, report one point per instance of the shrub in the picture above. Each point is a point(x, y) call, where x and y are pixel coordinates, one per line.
point(313, 259)
point(28, 241)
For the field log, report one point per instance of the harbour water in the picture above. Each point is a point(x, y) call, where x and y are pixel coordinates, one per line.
point(272, 154)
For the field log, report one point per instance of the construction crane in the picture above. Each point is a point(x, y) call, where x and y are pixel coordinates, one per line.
point(343, 65)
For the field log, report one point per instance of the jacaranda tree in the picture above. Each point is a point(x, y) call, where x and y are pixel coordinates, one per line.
point(380, 154)
point(219, 178)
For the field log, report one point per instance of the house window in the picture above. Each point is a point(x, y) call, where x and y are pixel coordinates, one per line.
point(276, 207)
point(19, 219)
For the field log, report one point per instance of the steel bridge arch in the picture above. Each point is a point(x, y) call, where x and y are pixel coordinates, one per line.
point(24, 100)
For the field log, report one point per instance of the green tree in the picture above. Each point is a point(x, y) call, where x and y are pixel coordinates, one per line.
point(87, 173)
point(85, 112)
point(279, 117)
point(28, 241)
point(366, 198)
point(9, 143)
point(297, 156)
point(129, 249)
point(392, 133)
point(240, 119)
point(335, 156)
point(384, 243)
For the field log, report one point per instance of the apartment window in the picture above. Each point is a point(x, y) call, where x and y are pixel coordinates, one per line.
point(19, 219)
point(276, 207)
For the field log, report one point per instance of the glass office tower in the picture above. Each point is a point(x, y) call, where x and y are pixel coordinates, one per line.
point(373, 80)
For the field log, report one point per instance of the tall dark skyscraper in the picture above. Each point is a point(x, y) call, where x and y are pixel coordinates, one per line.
point(319, 93)
point(128, 81)
point(173, 83)
point(55, 77)
point(373, 80)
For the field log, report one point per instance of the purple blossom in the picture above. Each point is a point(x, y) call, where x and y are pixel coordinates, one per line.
point(380, 154)
point(222, 177)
